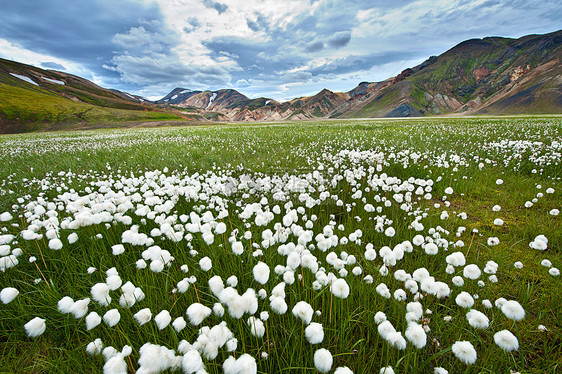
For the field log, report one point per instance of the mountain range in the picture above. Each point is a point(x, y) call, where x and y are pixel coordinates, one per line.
point(492, 75)
point(479, 76)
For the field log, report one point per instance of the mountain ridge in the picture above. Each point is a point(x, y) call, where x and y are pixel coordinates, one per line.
point(491, 75)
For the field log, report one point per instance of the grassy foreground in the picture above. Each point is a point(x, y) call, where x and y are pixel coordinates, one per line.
point(352, 180)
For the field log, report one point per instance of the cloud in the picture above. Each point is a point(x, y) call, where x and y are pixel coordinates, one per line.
point(266, 47)
point(242, 83)
point(138, 39)
point(339, 39)
point(52, 65)
point(219, 7)
point(314, 46)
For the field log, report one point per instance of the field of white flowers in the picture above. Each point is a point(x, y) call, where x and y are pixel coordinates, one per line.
point(418, 246)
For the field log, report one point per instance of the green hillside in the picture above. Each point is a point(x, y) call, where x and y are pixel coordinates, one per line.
point(63, 101)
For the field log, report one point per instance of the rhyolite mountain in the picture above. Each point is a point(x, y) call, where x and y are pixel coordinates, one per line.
point(479, 76)
point(492, 75)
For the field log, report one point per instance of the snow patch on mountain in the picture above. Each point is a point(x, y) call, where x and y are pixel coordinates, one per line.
point(24, 78)
point(213, 97)
point(53, 80)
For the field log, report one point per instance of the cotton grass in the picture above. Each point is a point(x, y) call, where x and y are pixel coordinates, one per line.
point(506, 340)
point(35, 327)
point(465, 352)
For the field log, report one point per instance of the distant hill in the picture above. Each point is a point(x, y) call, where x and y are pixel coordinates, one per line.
point(478, 76)
point(36, 99)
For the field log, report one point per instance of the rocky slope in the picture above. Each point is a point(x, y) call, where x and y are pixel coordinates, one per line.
point(479, 76)
point(491, 75)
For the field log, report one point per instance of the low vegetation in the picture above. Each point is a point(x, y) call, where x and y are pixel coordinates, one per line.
point(364, 246)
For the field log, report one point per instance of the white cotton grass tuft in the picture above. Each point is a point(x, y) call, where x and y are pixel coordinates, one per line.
point(386, 370)
point(5, 217)
point(112, 317)
point(431, 249)
point(477, 319)
point(303, 311)
point(35, 327)
point(80, 308)
point(65, 304)
point(197, 313)
point(506, 340)
point(380, 317)
point(385, 328)
point(100, 294)
point(340, 288)
point(396, 340)
point(540, 242)
point(94, 348)
point(382, 289)
point(244, 364)
point(143, 316)
point(323, 360)
point(113, 281)
point(314, 333)
point(8, 294)
point(278, 305)
point(513, 310)
point(261, 272)
point(92, 320)
point(193, 363)
point(440, 370)
point(205, 264)
point(546, 263)
point(162, 319)
point(115, 365)
point(464, 300)
point(237, 248)
point(498, 222)
point(416, 335)
point(471, 271)
point(343, 370)
point(465, 352)
point(72, 238)
point(257, 327)
point(155, 359)
point(179, 324)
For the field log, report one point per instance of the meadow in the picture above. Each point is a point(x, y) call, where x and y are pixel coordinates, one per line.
point(360, 246)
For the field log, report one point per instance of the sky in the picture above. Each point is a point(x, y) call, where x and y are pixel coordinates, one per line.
point(279, 49)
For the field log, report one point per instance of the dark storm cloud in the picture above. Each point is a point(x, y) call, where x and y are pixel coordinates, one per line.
point(78, 31)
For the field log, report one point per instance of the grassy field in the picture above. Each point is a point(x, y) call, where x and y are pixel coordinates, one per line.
point(254, 248)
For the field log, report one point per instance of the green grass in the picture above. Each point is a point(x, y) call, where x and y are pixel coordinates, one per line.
point(38, 165)
point(39, 109)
